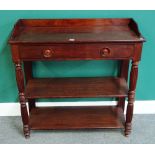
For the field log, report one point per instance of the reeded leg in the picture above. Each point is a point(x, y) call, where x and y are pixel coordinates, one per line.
point(124, 66)
point(24, 112)
point(131, 97)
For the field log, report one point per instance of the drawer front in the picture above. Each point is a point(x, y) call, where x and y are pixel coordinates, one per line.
point(76, 51)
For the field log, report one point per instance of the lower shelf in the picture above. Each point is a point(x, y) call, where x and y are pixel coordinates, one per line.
point(46, 118)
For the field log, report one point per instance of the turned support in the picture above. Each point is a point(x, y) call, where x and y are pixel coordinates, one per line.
point(123, 73)
point(24, 112)
point(131, 96)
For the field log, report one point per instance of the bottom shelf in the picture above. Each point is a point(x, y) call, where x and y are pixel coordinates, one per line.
point(46, 118)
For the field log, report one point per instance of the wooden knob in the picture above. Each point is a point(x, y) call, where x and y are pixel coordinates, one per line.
point(105, 52)
point(47, 53)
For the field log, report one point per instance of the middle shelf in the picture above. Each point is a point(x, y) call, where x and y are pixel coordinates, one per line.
point(76, 87)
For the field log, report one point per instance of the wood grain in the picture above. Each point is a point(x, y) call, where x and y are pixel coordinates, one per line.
point(76, 87)
point(76, 52)
point(76, 118)
point(82, 30)
point(131, 97)
point(76, 39)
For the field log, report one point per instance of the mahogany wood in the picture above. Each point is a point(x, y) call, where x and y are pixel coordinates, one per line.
point(76, 118)
point(76, 39)
point(76, 87)
point(124, 66)
point(82, 30)
point(24, 113)
point(28, 76)
point(77, 51)
point(131, 97)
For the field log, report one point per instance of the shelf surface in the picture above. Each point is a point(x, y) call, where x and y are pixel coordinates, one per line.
point(46, 118)
point(76, 87)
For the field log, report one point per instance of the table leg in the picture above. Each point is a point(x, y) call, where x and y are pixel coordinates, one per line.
point(131, 96)
point(124, 67)
point(24, 112)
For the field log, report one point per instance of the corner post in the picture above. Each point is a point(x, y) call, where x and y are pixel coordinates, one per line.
point(24, 112)
point(131, 96)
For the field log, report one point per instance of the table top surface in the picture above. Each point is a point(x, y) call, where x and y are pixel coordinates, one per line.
point(75, 31)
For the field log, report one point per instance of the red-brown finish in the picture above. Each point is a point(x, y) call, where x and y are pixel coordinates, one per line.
point(24, 113)
point(76, 52)
point(131, 97)
point(76, 88)
point(81, 30)
point(29, 76)
point(76, 118)
point(124, 66)
point(76, 39)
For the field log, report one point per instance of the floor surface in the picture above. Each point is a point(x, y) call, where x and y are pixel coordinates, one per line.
point(143, 132)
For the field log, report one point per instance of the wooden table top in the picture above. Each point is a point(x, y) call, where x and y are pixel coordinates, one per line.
point(75, 31)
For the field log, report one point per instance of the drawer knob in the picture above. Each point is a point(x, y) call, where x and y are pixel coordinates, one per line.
point(105, 52)
point(47, 53)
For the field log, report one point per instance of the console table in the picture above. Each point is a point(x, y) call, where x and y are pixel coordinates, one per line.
point(76, 39)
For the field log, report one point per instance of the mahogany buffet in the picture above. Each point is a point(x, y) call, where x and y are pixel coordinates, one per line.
point(76, 39)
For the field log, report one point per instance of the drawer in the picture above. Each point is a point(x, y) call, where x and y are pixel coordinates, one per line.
point(76, 51)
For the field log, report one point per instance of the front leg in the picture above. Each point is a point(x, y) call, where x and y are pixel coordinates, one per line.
point(24, 112)
point(131, 97)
